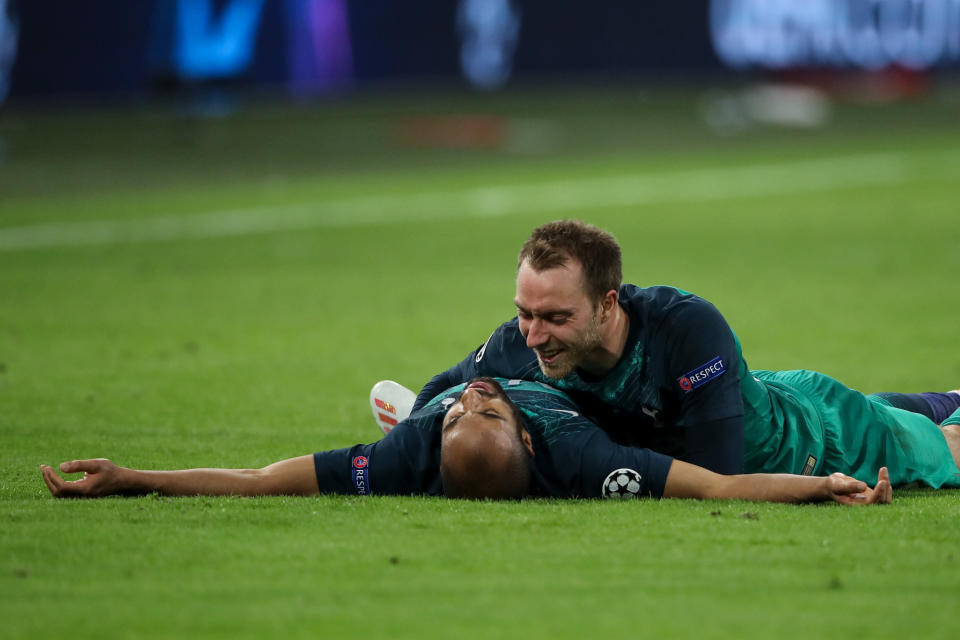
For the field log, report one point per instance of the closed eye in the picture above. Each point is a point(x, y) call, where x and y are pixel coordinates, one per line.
point(488, 414)
point(553, 317)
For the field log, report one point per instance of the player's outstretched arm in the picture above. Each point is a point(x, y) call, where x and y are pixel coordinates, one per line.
point(101, 477)
point(689, 481)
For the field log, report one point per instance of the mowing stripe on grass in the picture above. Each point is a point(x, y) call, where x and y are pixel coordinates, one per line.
point(555, 197)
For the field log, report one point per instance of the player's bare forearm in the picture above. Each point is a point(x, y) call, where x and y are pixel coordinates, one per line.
point(295, 476)
point(689, 481)
point(767, 487)
point(225, 482)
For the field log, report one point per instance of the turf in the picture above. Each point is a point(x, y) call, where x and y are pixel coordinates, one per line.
point(140, 321)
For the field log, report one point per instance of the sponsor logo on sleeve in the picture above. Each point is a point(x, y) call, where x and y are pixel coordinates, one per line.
point(361, 475)
point(809, 466)
point(702, 374)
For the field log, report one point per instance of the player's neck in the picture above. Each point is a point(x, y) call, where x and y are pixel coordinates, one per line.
point(614, 334)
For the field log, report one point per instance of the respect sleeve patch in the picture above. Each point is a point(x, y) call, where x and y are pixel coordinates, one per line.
point(702, 374)
point(361, 475)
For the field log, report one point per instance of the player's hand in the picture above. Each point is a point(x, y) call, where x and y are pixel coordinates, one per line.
point(100, 478)
point(847, 490)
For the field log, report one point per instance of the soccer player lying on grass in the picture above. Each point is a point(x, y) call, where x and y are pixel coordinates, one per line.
point(660, 368)
point(485, 439)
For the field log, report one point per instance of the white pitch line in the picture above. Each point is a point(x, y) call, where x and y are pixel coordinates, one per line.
point(491, 201)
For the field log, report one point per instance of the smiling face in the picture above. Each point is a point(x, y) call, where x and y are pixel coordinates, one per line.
point(484, 450)
point(557, 317)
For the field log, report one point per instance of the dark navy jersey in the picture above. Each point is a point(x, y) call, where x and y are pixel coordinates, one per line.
point(573, 458)
point(676, 388)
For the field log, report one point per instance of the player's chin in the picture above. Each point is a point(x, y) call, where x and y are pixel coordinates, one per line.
point(556, 369)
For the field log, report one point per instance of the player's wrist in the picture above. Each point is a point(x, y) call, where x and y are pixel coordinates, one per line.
point(825, 488)
point(131, 481)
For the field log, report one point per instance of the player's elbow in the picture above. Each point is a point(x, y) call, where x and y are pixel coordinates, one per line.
point(266, 481)
point(293, 477)
point(685, 480)
point(253, 482)
point(716, 487)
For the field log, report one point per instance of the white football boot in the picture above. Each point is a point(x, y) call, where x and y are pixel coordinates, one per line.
point(390, 402)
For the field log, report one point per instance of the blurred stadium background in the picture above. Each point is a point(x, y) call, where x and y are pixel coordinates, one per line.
point(377, 83)
point(308, 48)
point(323, 85)
point(222, 220)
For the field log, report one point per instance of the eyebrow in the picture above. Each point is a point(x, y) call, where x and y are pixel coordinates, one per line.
point(548, 312)
point(486, 413)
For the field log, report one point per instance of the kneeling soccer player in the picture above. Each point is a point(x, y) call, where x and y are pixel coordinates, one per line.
point(483, 439)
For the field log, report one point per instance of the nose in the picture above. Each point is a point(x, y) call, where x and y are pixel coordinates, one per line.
point(535, 334)
point(471, 399)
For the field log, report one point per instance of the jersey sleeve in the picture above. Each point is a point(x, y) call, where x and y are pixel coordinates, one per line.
point(702, 368)
point(405, 462)
point(716, 445)
point(574, 458)
point(604, 469)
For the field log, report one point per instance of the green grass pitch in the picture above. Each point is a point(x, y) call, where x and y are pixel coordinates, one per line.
point(179, 293)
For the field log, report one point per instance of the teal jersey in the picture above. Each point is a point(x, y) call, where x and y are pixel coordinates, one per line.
point(807, 423)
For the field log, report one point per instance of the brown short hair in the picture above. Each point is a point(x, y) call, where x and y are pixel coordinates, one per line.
point(553, 244)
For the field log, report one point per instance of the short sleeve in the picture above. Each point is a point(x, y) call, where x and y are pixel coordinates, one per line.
point(405, 462)
point(609, 470)
point(702, 363)
point(579, 460)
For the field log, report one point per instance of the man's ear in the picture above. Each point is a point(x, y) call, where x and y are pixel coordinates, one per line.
point(608, 303)
point(527, 442)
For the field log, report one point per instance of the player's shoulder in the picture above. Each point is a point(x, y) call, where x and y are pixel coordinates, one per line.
point(508, 333)
point(505, 353)
point(659, 299)
point(665, 308)
point(549, 413)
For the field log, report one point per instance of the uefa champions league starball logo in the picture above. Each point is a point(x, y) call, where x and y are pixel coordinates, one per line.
point(621, 484)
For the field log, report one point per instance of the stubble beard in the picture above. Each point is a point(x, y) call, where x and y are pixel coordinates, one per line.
point(574, 353)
